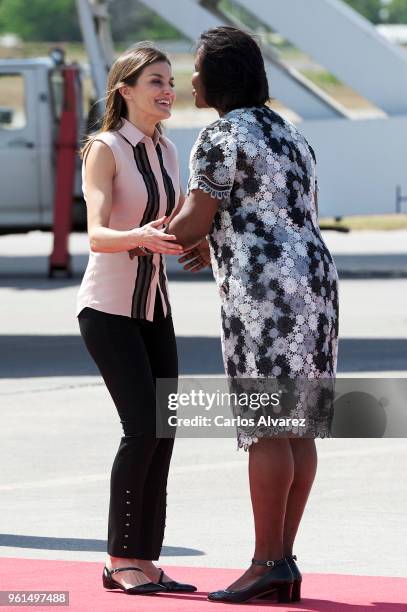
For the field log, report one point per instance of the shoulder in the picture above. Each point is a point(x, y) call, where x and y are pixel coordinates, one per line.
point(298, 138)
point(102, 151)
point(223, 125)
point(221, 136)
point(110, 137)
point(303, 143)
point(98, 146)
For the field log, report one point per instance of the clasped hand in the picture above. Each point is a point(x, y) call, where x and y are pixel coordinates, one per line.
point(197, 258)
point(154, 240)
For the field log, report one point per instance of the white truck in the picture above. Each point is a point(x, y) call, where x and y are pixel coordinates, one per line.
point(29, 119)
point(31, 102)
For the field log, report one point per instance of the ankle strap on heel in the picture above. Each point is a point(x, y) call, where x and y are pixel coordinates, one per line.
point(269, 563)
point(123, 569)
point(291, 557)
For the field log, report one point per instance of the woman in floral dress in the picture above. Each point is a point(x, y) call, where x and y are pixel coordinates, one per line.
point(253, 190)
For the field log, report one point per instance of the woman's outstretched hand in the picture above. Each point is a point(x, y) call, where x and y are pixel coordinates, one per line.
point(155, 240)
point(198, 257)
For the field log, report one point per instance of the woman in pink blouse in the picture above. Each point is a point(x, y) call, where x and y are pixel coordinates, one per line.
point(131, 186)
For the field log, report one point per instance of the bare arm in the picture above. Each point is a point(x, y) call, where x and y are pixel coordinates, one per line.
point(180, 204)
point(194, 221)
point(100, 170)
point(139, 251)
point(212, 174)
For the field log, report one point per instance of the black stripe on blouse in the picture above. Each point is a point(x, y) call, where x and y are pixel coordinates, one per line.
point(145, 263)
point(170, 192)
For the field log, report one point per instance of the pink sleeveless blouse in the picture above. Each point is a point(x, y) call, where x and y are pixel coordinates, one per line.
point(146, 186)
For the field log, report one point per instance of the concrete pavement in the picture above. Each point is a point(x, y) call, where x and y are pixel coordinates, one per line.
point(60, 432)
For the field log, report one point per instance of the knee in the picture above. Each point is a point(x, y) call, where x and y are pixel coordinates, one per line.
point(137, 429)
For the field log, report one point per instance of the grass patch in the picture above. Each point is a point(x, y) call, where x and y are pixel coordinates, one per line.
point(367, 222)
point(321, 78)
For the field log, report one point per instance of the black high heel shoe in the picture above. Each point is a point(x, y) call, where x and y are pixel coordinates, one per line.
point(172, 586)
point(278, 581)
point(140, 589)
point(296, 594)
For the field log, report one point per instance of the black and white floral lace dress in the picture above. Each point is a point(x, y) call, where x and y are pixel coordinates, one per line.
point(276, 278)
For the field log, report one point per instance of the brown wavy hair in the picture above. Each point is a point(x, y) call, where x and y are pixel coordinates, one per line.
point(124, 71)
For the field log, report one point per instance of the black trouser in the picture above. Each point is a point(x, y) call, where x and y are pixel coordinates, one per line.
point(130, 354)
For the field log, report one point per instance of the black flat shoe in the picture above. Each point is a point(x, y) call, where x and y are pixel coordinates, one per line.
point(172, 586)
point(296, 594)
point(278, 582)
point(140, 589)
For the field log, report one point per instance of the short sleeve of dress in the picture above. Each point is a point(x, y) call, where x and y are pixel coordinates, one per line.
point(212, 165)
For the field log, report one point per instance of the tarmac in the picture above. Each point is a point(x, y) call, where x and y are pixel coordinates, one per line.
point(60, 430)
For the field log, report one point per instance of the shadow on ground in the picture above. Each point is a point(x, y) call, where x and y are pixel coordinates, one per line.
point(29, 356)
point(22, 272)
point(44, 543)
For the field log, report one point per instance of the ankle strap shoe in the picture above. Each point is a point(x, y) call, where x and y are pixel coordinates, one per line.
point(296, 593)
point(269, 563)
point(172, 586)
point(148, 588)
point(277, 582)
